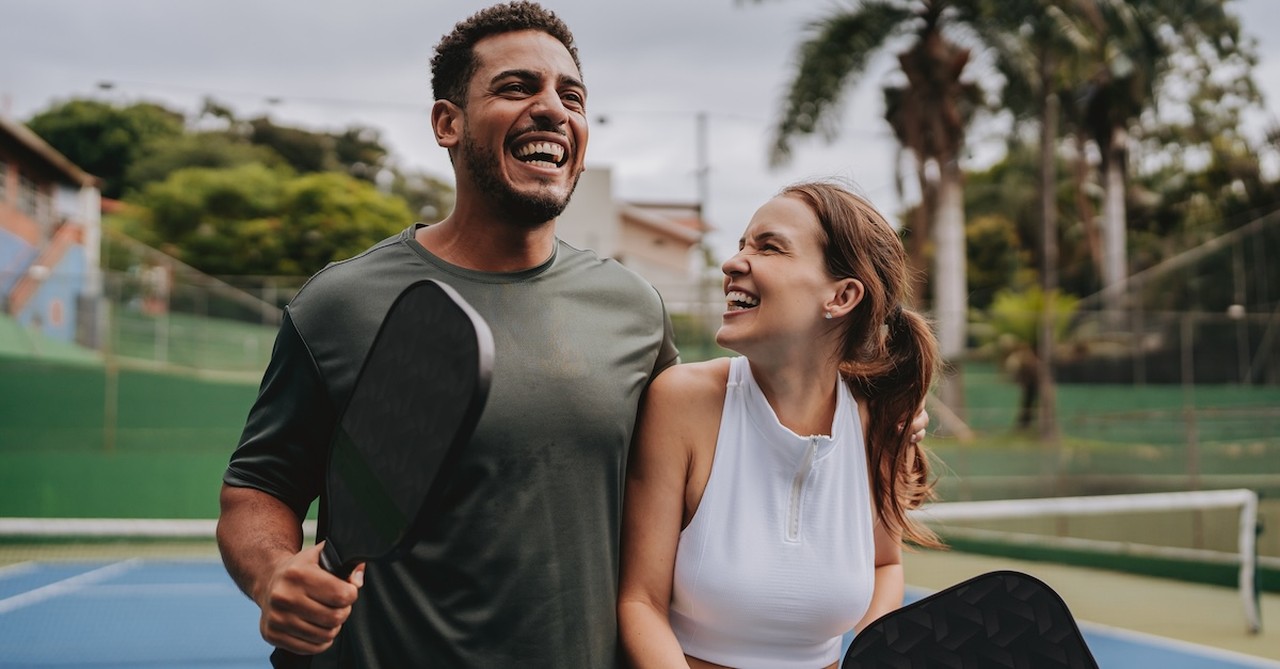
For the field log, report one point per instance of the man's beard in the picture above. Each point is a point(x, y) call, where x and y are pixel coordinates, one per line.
point(530, 209)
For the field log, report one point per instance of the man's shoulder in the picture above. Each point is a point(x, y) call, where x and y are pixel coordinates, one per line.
point(603, 272)
point(391, 250)
point(354, 284)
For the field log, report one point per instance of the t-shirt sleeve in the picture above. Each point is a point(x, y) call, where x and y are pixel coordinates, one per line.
point(285, 441)
point(668, 354)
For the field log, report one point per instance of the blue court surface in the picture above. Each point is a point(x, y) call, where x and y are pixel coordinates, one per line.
point(182, 614)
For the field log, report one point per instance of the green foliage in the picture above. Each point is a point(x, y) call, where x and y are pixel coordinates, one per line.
point(429, 198)
point(103, 139)
point(1013, 319)
point(205, 149)
point(832, 58)
point(1010, 189)
point(994, 257)
point(361, 151)
point(253, 220)
point(196, 203)
point(226, 197)
point(303, 150)
point(331, 216)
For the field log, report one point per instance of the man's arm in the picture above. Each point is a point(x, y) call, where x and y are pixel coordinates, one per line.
point(303, 606)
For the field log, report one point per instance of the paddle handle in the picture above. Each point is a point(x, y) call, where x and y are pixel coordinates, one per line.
point(332, 563)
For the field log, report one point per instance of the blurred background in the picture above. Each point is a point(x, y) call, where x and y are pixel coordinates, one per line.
point(1088, 190)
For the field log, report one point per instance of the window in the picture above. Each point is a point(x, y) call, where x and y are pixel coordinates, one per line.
point(28, 196)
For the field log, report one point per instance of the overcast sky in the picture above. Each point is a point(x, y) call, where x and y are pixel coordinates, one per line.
point(650, 66)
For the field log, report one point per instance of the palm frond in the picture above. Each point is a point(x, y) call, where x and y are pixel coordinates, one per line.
point(830, 61)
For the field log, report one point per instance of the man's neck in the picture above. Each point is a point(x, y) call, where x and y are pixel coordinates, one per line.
point(486, 244)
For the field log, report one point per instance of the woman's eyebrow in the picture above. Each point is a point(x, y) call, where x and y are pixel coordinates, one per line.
point(765, 236)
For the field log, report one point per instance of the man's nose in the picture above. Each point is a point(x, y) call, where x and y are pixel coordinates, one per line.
point(549, 109)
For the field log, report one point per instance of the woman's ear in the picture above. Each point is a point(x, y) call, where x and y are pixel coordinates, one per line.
point(446, 123)
point(849, 293)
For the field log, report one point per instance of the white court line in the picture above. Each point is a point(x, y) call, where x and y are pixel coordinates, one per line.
point(65, 586)
point(17, 569)
point(1186, 647)
point(160, 590)
point(1155, 640)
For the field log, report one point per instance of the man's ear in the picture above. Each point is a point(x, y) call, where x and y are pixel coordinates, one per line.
point(849, 292)
point(446, 123)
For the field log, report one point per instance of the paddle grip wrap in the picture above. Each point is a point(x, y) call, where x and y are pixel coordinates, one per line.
point(331, 563)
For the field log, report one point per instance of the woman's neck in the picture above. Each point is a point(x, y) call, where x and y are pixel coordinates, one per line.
point(802, 394)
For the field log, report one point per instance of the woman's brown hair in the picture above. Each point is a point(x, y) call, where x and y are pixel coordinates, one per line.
point(889, 354)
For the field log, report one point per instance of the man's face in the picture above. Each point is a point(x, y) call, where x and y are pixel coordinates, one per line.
point(524, 136)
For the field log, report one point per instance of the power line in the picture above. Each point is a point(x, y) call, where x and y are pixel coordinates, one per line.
point(271, 99)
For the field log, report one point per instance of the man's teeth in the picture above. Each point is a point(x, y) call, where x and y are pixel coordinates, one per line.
point(546, 153)
point(740, 300)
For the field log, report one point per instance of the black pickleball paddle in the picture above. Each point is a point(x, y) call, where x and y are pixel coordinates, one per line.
point(417, 399)
point(992, 621)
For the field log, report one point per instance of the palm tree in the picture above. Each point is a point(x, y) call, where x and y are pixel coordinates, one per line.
point(1033, 50)
point(1012, 331)
point(1130, 46)
point(1115, 52)
point(928, 115)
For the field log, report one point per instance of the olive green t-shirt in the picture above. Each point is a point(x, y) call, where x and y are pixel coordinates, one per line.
point(522, 570)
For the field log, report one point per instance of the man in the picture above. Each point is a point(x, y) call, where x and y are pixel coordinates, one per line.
point(523, 569)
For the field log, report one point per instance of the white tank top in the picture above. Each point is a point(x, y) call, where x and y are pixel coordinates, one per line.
point(779, 559)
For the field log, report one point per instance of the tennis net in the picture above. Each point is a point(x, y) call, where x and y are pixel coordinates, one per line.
point(100, 539)
point(1208, 536)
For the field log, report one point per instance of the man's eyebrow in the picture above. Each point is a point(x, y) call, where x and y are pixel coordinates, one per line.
point(530, 75)
point(527, 75)
point(566, 80)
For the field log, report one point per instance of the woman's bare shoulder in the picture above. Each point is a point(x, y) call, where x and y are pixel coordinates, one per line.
point(692, 380)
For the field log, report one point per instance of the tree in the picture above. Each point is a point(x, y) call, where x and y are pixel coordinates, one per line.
point(204, 149)
point(253, 220)
point(332, 216)
point(104, 140)
point(1012, 329)
point(1036, 50)
point(361, 151)
point(929, 116)
point(934, 138)
point(429, 198)
point(304, 150)
point(1131, 46)
point(1010, 190)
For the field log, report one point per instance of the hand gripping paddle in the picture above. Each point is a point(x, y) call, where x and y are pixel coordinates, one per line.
point(416, 401)
point(996, 620)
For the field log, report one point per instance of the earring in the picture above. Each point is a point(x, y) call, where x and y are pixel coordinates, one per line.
point(827, 315)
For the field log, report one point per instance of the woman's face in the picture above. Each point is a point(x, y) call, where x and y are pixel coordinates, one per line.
point(777, 286)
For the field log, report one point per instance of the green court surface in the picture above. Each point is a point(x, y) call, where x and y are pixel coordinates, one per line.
point(148, 436)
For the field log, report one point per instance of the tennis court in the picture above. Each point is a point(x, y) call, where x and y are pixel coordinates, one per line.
point(169, 606)
point(143, 612)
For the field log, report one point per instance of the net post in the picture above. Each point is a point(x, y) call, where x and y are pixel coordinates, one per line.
point(1244, 499)
point(1249, 560)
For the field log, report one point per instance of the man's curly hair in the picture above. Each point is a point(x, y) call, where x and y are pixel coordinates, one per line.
point(454, 61)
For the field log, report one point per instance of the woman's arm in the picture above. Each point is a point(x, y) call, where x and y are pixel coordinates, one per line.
point(890, 582)
point(672, 415)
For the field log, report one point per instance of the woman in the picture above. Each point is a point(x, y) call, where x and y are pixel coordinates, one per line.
point(767, 495)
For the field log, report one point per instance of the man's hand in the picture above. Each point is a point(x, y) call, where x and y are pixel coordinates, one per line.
point(304, 606)
point(918, 425)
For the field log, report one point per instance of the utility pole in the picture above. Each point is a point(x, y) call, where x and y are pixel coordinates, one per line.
point(703, 180)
